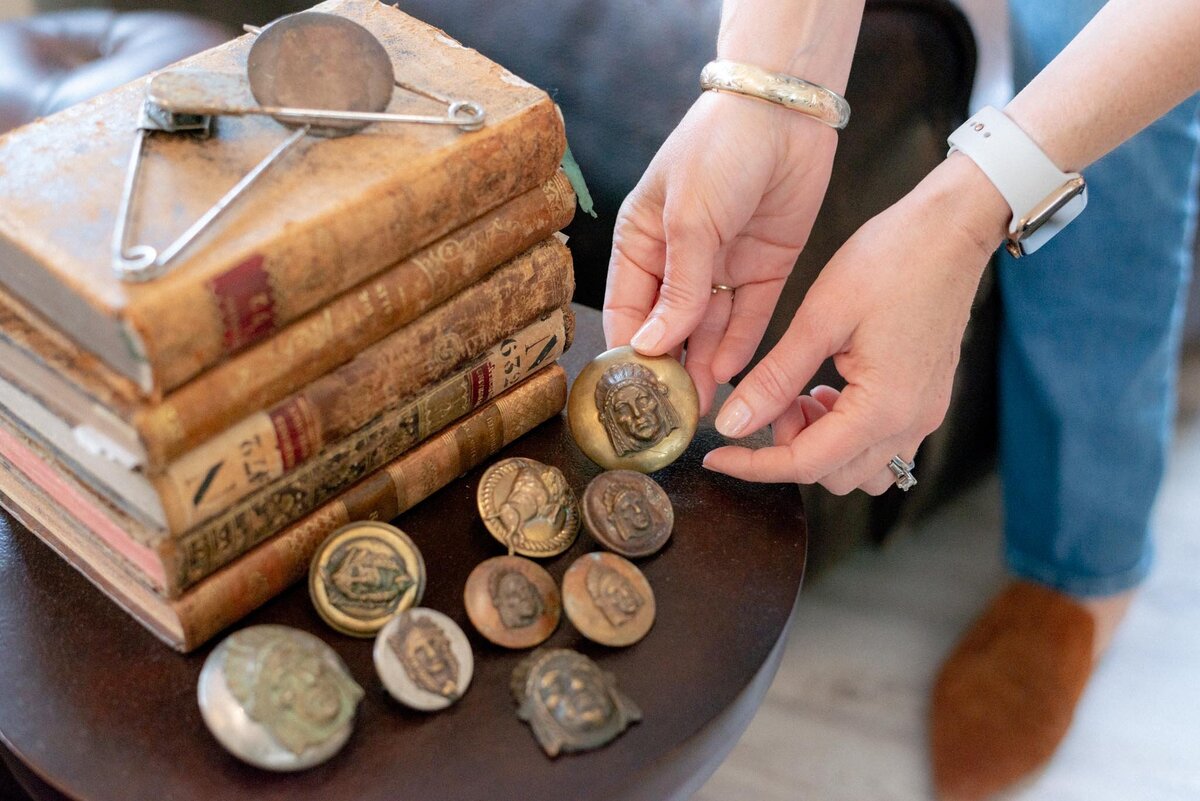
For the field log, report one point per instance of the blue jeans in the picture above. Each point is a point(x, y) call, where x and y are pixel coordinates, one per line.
point(1089, 346)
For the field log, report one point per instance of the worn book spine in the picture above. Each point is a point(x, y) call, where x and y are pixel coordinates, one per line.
point(303, 351)
point(397, 365)
point(236, 590)
point(333, 214)
point(269, 445)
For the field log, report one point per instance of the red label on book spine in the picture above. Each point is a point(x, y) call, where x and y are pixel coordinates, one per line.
point(481, 384)
point(246, 302)
point(295, 431)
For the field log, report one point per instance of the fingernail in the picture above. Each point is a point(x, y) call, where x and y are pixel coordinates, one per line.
point(733, 418)
point(704, 463)
point(649, 335)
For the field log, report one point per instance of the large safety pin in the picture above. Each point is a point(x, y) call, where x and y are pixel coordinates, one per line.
point(353, 64)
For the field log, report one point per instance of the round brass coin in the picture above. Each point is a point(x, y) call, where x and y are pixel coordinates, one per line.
point(633, 412)
point(363, 575)
point(423, 659)
point(608, 599)
point(529, 507)
point(628, 512)
point(277, 698)
point(512, 602)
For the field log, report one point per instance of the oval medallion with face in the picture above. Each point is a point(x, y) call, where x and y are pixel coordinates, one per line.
point(423, 659)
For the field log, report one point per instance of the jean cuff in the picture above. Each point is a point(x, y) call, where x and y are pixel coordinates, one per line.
point(1081, 586)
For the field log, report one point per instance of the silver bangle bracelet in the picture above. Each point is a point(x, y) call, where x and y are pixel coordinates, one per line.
point(775, 87)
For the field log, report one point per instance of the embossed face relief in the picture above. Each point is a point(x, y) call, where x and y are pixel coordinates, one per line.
point(290, 687)
point(424, 651)
point(627, 411)
point(613, 594)
point(630, 514)
point(634, 407)
point(577, 699)
point(365, 578)
point(571, 704)
point(516, 599)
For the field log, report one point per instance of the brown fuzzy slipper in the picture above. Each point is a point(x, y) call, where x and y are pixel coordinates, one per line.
point(1006, 696)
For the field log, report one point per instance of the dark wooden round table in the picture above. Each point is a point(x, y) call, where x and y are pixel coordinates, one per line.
point(95, 708)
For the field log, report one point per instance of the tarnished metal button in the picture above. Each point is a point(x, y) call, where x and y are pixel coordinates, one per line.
point(628, 512)
point(633, 412)
point(363, 575)
point(278, 698)
point(608, 599)
point(569, 702)
point(529, 507)
point(512, 602)
point(424, 659)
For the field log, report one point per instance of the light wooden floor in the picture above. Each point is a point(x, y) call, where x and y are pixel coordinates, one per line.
point(845, 718)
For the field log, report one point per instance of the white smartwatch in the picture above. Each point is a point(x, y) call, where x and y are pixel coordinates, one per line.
point(1042, 197)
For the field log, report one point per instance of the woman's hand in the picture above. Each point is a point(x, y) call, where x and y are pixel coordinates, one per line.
point(729, 199)
point(890, 307)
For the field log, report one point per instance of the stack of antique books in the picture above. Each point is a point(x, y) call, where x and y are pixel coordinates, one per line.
point(379, 314)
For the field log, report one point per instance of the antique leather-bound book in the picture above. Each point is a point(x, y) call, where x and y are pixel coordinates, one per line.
point(147, 436)
point(334, 213)
point(231, 593)
point(171, 561)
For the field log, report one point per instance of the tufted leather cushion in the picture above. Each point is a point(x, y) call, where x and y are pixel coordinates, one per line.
point(50, 61)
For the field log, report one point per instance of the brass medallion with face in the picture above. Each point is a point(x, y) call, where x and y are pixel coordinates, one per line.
point(363, 575)
point(632, 412)
point(512, 602)
point(628, 512)
point(529, 507)
point(608, 599)
point(277, 698)
point(423, 659)
point(569, 702)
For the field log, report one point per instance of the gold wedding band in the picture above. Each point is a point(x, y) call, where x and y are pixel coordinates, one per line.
point(722, 288)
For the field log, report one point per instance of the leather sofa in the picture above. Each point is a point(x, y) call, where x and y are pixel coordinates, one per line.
point(624, 72)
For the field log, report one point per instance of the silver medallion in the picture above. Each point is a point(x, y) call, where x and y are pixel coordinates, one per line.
point(278, 698)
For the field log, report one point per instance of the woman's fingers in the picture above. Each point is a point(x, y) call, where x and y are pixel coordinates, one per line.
point(701, 346)
point(752, 306)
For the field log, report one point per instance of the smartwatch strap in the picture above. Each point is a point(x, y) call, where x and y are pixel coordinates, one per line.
point(1024, 175)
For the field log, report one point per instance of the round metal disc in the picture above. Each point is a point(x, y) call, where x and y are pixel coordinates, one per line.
point(633, 412)
point(320, 61)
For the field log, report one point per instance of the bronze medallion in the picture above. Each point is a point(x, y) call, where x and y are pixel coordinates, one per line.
point(569, 702)
point(633, 412)
point(423, 659)
point(512, 602)
point(608, 599)
point(628, 512)
point(278, 698)
point(529, 507)
point(363, 575)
